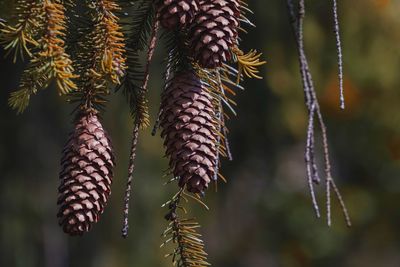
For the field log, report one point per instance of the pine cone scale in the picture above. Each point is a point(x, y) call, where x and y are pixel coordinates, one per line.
point(215, 32)
point(177, 14)
point(190, 131)
point(86, 175)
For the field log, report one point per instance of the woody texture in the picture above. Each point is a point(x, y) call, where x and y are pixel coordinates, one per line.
point(86, 175)
point(177, 14)
point(190, 131)
point(215, 32)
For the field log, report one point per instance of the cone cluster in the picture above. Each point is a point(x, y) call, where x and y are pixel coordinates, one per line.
point(189, 121)
point(86, 175)
point(190, 131)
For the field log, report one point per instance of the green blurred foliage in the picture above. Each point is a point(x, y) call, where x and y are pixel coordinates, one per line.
point(263, 216)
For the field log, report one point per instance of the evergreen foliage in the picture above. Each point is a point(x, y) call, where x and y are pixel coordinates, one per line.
point(89, 48)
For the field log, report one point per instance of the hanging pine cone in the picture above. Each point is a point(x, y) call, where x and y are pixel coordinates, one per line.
point(190, 131)
point(86, 175)
point(177, 13)
point(215, 32)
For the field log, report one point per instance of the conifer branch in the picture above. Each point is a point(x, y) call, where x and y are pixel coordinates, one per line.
point(49, 61)
point(248, 63)
point(29, 85)
point(100, 52)
point(138, 28)
point(21, 38)
point(91, 50)
point(53, 44)
point(109, 36)
point(183, 233)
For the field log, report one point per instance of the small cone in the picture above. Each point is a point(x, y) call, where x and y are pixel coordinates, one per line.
point(190, 131)
point(215, 32)
point(177, 14)
point(86, 175)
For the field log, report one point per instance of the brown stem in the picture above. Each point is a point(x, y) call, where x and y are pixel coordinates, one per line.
point(135, 133)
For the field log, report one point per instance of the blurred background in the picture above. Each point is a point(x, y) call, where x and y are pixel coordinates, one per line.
point(263, 216)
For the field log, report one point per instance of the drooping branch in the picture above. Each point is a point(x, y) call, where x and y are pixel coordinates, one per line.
point(20, 38)
point(40, 33)
point(135, 137)
point(183, 233)
point(138, 24)
point(315, 116)
point(110, 37)
point(138, 123)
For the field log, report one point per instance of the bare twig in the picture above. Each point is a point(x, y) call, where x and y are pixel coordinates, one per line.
point(226, 138)
point(339, 53)
point(315, 114)
point(135, 133)
point(135, 136)
point(167, 75)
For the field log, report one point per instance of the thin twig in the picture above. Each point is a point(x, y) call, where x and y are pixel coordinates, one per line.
point(166, 79)
point(135, 133)
point(313, 107)
point(219, 117)
point(226, 138)
point(150, 54)
point(339, 53)
point(308, 157)
point(135, 137)
point(158, 122)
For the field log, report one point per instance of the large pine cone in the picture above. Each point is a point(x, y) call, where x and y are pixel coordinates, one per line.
point(176, 14)
point(190, 131)
point(86, 175)
point(215, 32)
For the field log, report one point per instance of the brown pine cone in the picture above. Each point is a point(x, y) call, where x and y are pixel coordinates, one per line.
point(86, 175)
point(215, 32)
point(176, 14)
point(190, 131)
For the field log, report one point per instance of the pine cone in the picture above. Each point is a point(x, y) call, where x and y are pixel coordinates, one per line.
point(190, 131)
point(177, 13)
point(86, 175)
point(215, 32)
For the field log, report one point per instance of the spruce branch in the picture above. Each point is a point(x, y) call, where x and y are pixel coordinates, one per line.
point(49, 61)
point(315, 116)
point(53, 44)
point(138, 29)
point(109, 36)
point(22, 37)
point(183, 233)
point(248, 63)
point(100, 51)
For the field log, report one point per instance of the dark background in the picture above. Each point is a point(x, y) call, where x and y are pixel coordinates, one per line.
point(263, 216)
